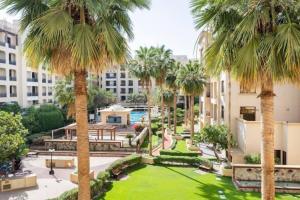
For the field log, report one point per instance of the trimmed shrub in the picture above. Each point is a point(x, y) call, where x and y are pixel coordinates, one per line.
point(154, 128)
point(69, 195)
point(252, 159)
point(182, 160)
point(50, 117)
point(103, 176)
point(124, 163)
point(176, 153)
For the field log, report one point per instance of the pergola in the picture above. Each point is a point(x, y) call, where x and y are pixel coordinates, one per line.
point(99, 128)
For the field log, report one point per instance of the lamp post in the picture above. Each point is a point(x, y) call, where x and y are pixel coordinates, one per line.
point(51, 172)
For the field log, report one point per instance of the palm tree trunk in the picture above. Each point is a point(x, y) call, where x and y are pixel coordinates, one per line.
point(175, 112)
point(267, 159)
point(149, 120)
point(162, 118)
point(82, 135)
point(229, 135)
point(169, 117)
point(185, 110)
point(192, 117)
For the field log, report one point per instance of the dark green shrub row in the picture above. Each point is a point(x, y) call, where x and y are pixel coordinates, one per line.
point(124, 163)
point(176, 153)
point(194, 161)
point(97, 188)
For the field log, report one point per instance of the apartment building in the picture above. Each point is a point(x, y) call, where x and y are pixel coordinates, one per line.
point(244, 118)
point(18, 81)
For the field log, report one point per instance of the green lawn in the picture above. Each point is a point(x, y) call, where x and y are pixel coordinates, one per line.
point(176, 183)
point(181, 146)
point(179, 129)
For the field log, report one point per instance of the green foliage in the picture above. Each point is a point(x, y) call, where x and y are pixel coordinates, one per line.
point(123, 163)
point(137, 98)
point(30, 121)
point(214, 134)
point(98, 97)
point(187, 160)
point(154, 127)
point(12, 133)
point(252, 159)
point(176, 153)
point(10, 108)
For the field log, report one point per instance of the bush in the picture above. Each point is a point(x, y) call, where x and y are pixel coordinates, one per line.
point(69, 195)
point(176, 153)
point(50, 117)
point(124, 163)
point(103, 176)
point(154, 128)
point(10, 108)
point(252, 159)
point(193, 161)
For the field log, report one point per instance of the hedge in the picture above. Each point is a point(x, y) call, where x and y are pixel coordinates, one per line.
point(124, 163)
point(194, 161)
point(176, 153)
point(97, 188)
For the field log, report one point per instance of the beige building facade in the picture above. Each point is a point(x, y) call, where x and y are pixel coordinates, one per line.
point(244, 116)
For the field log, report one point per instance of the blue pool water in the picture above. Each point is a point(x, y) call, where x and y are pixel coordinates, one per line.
point(136, 116)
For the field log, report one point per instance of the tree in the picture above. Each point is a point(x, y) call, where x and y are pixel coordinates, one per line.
point(215, 135)
point(168, 100)
point(73, 37)
point(12, 134)
point(142, 68)
point(162, 61)
point(264, 47)
point(136, 98)
point(10, 107)
point(98, 98)
point(172, 85)
point(192, 81)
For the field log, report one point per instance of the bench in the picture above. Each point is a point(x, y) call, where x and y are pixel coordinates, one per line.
point(33, 153)
point(116, 172)
point(205, 168)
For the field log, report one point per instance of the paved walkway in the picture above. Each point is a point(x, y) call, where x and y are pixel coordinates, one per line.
point(168, 144)
point(51, 186)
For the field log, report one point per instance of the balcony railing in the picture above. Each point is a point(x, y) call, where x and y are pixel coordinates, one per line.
point(30, 94)
point(12, 62)
point(13, 94)
point(32, 79)
point(44, 93)
point(3, 95)
point(2, 60)
point(49, 81)
point(13, 78)
point(44, 80)
point(3, 78)
point(49, 93)
point(11, 46)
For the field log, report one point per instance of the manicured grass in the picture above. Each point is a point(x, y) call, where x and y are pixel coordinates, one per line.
point(177, 183)
point(179, 129)
point(181, 146)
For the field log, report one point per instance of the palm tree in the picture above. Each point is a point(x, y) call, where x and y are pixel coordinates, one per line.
point(172, 85)
point(192, 81)
point(72, 37)
point(264, 45)
point(163, 61)
point(169, 101)
point(142, 68)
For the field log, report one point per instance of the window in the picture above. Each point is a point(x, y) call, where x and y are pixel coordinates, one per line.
point(130, 90)
point(284, 161)
point(111, 75)
point(130, 82)
point(123, 75)
point(107, 83)
point(2, 57)
point(12, 58)
point(114, 119)
point(277, 155)
point(247, 90)
point(123, 83)
point(248, 113)
point(222, 86)
point(222, 112)
point(123, 90)
point(123, 98)
point(115, 90)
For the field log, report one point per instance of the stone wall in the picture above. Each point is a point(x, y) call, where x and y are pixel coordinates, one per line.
point(70, 145)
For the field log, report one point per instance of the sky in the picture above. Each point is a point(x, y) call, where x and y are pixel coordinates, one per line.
point(168, 22)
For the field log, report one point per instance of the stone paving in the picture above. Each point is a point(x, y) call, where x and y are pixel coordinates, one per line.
point(51, 186)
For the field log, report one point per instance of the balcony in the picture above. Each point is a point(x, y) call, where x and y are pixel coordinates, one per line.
point(13, 95)
point(13, 78)
point(44, 80)
point(32, 79)
point(49, 93)
point(49, 81)
point(12, 62)
point(44, 94)
point(11, 46)
point(2, 60)
point(3, 94)
point(31, 94)
point(2, 78)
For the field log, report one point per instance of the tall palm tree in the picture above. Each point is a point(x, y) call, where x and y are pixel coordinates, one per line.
point(163, 61)
point(142, 68)
point(172, 85)
point(72, 37)
point(169, 101)
point(192, 81)
point(265, 49)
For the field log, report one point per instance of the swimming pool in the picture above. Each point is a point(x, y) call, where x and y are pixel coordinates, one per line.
point(136, 116)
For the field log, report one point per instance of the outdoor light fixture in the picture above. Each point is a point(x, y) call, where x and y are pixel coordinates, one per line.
point(51, 172)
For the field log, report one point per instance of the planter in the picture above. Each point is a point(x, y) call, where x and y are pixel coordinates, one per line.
point(226, 171)
point(148, 160)
point(60, 163)
point(74, 176)
point(178, 137)
point(15, 183)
